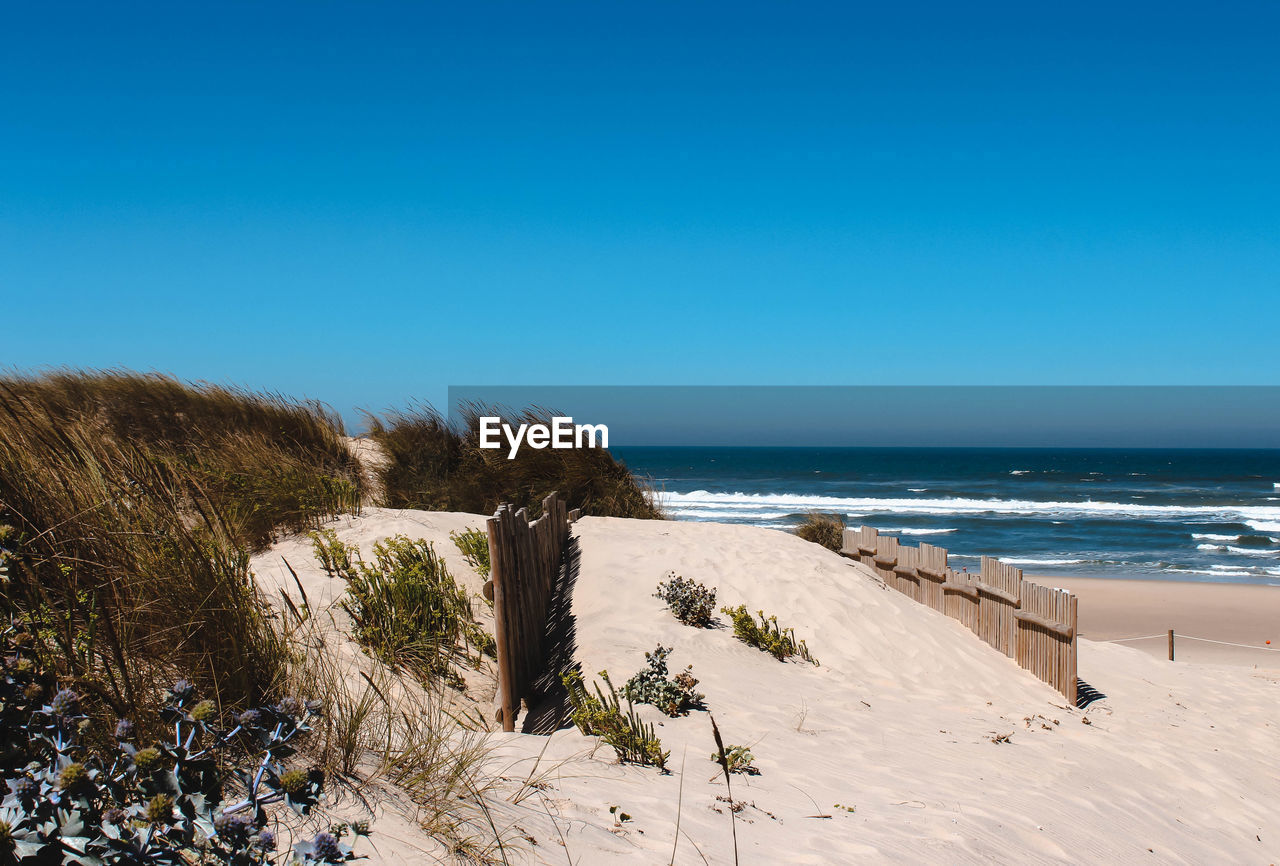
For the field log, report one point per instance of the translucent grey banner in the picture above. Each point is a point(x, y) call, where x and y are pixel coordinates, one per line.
point(917, 416)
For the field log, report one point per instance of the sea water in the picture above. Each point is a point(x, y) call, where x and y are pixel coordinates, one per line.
point(1209, 515)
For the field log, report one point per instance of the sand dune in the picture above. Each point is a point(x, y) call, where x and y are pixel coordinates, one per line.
point(1178, 763)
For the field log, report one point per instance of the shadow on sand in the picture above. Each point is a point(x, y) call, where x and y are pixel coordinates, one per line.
point(1086, 694)
point(549, 708)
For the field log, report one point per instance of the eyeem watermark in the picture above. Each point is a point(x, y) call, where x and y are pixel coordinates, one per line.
point(562, 433)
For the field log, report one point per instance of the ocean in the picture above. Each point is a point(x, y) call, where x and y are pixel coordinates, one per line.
point(1204, 515)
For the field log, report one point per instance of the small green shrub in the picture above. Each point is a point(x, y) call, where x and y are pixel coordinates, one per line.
point(675, 697)
point(601, 715)
point(738, 759)
point(767, 635)
point(406, 608)
point(824, 529)
point(689, 601)
point(335, 557)
point(474, 545)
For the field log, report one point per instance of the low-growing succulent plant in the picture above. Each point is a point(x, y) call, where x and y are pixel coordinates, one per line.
point(737, 759)
point(689, 601)
point(675, 697)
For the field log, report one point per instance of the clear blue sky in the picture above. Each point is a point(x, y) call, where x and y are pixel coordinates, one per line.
point(366, 202)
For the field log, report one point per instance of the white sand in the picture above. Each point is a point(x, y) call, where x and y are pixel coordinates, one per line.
point(1242, 616)
point(1181, 762)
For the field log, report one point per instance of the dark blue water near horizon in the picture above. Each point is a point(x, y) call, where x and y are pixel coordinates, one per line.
point(1191, 514)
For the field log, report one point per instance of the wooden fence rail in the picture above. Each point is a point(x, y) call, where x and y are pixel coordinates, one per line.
point(525, 557)
point(1032, 624)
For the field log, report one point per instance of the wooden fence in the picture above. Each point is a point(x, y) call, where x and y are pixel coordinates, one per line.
point(524, 559)
point(1032, 624)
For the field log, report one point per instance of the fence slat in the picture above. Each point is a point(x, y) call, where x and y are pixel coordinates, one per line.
point(525, 559)
point(1034, 625)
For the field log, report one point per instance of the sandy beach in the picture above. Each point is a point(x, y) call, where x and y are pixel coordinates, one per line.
point(912, 741)
point(1229, 612)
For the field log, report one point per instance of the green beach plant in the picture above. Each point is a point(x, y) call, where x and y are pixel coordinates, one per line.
point(600, 715)
point(474, 544)
point(674, 697)
point(766, 635)
point(689, 601)
point(737, 759)
point(207, 792)
point(406, 608)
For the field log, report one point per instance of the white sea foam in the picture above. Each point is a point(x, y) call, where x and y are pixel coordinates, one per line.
point(1213, 573)
point(741, 514)
point(1019, 471)
point(1209, 536)
point(1251, 551)
point(1017, 560)
point(1211, 547)
point(909, 531)
point(1260, 518)
point(917, 489)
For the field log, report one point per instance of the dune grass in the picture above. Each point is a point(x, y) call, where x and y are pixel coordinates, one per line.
point(824, 529)
point(135, 501)
point(437, 465)
point(263, 462)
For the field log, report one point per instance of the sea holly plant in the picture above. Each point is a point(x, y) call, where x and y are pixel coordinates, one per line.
point(181, 800)
point(675, 697)
point(689, 601)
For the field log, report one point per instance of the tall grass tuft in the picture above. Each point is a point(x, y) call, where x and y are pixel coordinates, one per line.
point(824, 529)
point(261, 461)
point(134, 502)
point(437, 465)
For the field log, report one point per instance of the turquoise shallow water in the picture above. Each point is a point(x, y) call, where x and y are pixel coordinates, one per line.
point(1208, 515)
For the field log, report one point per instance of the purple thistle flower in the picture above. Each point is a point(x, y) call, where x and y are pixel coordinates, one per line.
point(326, 847)
point(234, 828)
point(65, 703)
